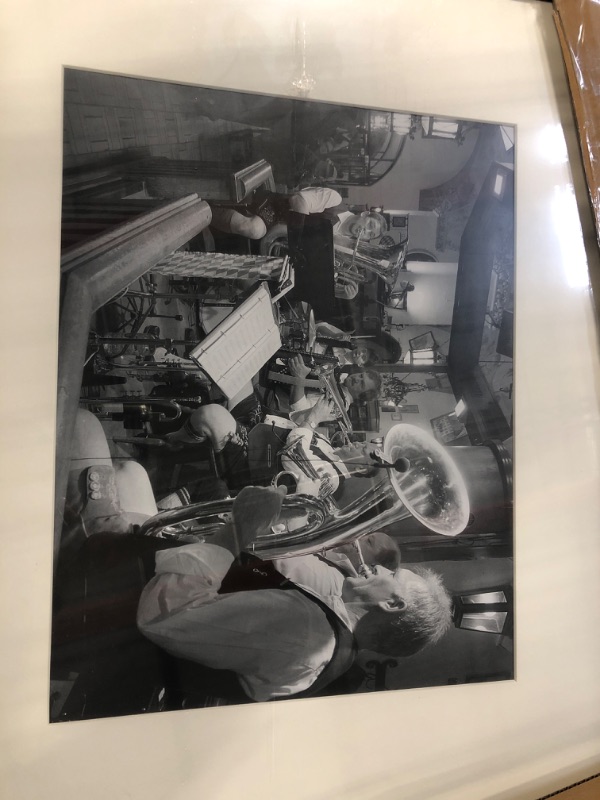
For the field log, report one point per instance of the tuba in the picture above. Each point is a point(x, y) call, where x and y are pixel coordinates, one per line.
point(417, 477)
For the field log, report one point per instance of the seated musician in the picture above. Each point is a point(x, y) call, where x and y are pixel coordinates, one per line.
point(126, 498)
point(330, 339)
point(354, 231)
point(287, 627)
point(324, 470)
point(269, 208)
point(281, 638)
point(359, 386)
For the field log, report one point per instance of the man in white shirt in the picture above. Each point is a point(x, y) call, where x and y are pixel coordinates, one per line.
point(287, 627)
point(358, 386)
point(213, 423)
point(248, 221)
point(284, 628)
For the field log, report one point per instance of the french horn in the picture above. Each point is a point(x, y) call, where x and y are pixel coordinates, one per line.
point(418, 478)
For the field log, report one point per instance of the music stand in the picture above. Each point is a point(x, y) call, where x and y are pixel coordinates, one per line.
point(241, 344)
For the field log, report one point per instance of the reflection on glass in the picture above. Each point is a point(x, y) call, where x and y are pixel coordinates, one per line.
point(565, 217)
point(484, 597)
point(486, 621)
point(552, 144)
point(433, 127)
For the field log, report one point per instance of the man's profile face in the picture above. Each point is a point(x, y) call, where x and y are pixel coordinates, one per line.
point(388, 591)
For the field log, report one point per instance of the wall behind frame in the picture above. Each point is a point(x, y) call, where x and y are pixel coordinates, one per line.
point(496, 60)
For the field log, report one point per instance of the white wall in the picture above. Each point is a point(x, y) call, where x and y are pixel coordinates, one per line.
point(431, 405)
point(432, 301)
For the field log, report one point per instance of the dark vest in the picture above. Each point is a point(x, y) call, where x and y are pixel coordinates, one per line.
point(249, 573)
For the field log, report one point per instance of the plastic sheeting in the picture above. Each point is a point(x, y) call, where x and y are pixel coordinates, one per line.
point(578, 25)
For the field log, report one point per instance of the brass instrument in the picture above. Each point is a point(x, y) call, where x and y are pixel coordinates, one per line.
point(144, 405)
point(310, 359)
point(386, 270)
point(364, 569)
point(296, 463)
point(329, 387)
point(341, 273)
point(428, 487)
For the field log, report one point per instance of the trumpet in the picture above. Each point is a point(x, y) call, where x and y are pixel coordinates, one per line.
point(310, 359)
point(329, 387)
point(364, 569)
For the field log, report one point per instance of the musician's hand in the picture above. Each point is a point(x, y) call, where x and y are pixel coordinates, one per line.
point(354, 451)
point(255, 510)
point(298, 368)
point(322, 411)
point(321, 487)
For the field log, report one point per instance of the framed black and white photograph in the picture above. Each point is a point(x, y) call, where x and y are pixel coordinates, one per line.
point(241, 515)
point(163, 263)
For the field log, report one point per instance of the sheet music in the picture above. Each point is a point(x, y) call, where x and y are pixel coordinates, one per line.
point(240, 345)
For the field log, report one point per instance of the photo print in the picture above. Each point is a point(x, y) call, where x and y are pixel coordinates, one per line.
point(285, 382)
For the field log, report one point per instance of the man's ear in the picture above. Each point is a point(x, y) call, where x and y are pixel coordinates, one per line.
point(392, 606)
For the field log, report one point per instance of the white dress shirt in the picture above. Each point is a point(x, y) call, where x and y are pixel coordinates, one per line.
point(277, 641)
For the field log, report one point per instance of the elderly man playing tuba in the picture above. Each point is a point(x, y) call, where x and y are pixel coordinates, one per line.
point(286, 628)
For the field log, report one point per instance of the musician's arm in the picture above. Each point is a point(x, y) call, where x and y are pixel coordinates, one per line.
point(297, 395)
point(329, 330)
point(298, 369)
point(312, 417)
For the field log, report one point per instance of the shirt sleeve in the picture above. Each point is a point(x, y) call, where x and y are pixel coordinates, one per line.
point(326, 329)
point(277, 642)
point(192, 573)
point(204, 560)
point(301, 405)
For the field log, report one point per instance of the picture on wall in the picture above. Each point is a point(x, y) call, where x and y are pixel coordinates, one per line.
point(256, 292)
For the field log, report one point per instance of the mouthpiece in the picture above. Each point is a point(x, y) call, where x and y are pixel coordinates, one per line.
point(363, 569)
point(400, 464)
